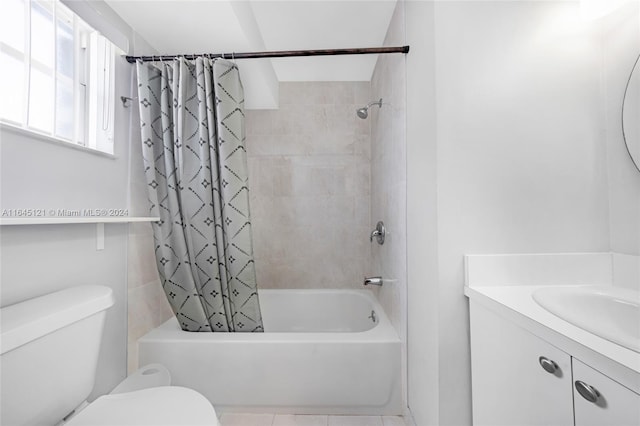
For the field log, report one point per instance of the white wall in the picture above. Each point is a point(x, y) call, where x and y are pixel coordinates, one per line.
point(520, 152)
point(621, 36)
point(521, 166)
point(38, 173)
point(37, 260)
point(422, 221)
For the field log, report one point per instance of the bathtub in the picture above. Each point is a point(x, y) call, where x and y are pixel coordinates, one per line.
point(322, 352)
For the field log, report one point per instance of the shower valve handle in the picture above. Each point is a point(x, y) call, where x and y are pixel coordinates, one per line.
point(379, 233)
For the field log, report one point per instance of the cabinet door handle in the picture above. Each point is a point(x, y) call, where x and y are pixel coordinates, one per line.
point(549, 365)
point(589, 393)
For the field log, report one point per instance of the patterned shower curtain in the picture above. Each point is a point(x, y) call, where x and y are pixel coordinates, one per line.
point(192, 123)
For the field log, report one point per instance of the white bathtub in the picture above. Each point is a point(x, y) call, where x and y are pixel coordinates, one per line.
point(321, 353)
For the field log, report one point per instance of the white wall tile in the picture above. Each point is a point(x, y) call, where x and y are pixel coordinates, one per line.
point(388, 178)
point(147, 306)
point(309, 177)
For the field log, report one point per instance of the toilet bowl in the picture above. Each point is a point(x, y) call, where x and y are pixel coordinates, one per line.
point(159, 406)
point(146, 398)
point(48, 357)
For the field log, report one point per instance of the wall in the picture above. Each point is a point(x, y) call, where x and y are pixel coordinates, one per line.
point(621, 36)
point(525, 173)
point(38, 173)
point(147, 305)
point(36, 260)
point(520, 167)
point(309, 180)
point(422, 219)
point(389, 179)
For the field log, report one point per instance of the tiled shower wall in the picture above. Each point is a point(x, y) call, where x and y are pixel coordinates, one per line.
point(146, 303)
point(389, 166)
point(388, 178)
point(309, 177)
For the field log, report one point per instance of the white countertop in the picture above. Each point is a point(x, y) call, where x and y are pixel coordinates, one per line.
point(518, 299)
point(515, 303)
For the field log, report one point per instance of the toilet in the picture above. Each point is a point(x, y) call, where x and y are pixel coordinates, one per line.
point(49, 349)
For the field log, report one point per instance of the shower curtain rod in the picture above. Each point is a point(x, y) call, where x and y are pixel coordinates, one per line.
point(275, 54)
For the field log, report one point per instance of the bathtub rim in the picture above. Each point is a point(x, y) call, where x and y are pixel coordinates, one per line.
point(383, 331)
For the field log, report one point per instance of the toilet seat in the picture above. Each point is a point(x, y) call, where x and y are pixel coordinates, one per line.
point(159, 406)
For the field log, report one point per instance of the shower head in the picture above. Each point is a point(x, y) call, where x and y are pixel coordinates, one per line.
point(364, 111)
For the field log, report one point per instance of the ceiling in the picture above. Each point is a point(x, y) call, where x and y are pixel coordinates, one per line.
point(222, 26)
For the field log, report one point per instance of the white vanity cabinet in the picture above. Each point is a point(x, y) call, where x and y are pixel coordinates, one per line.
point(510, 386)
point(598, 400)
point(520, 379)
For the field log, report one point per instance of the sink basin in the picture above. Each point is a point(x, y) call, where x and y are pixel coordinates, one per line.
point(609, 312)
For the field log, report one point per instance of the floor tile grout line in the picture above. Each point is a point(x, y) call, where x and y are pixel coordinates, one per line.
point(327, 419)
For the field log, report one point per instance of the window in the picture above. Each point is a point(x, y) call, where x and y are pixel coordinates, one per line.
point(58, 76)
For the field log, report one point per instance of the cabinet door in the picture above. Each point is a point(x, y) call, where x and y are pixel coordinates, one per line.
point(605, 402)
point(509, 384)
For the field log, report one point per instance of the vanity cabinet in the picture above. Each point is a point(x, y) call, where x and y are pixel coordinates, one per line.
point(605, 402)
point(510, 386)
point(520, 379)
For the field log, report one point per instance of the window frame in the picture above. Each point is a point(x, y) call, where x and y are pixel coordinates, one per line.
point(102, 142)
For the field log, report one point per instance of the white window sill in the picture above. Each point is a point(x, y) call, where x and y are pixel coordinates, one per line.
point(34, 134)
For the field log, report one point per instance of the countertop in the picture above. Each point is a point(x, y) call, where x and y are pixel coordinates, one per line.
point(515, 303)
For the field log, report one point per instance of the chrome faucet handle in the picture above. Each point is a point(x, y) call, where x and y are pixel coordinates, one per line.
point(379, 233)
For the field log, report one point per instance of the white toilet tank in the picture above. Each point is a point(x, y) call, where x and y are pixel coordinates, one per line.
point(49, 351)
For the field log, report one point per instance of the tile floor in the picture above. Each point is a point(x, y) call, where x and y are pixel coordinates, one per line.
point(242, 419)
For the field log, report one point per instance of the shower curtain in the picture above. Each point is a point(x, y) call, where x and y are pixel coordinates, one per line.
point(192, 125)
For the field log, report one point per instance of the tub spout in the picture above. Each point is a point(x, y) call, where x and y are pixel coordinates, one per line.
point(373, 281)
